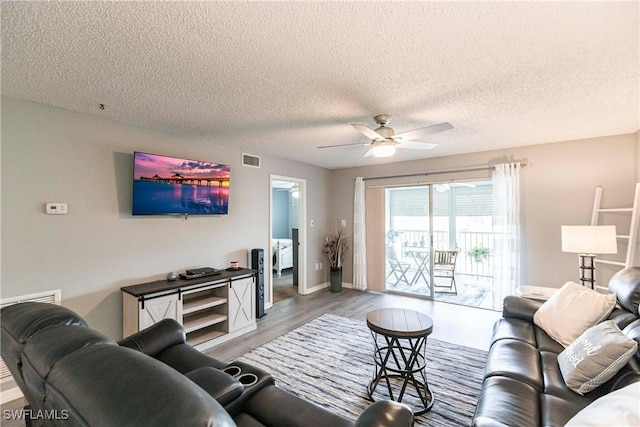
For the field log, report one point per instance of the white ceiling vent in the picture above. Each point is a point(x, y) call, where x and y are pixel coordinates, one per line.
point(250, 160)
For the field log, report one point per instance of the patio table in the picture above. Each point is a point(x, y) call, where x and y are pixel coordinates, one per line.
point(421, 257)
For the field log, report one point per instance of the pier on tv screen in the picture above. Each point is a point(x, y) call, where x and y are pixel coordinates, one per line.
point(165, 185)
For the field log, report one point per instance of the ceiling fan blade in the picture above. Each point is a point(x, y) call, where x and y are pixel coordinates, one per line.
point(366, 131)
point(425, 131)
point(369, 153)
point(416, 144)
point(344, 145)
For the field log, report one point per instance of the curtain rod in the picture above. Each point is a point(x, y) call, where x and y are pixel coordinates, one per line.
point(472, 169)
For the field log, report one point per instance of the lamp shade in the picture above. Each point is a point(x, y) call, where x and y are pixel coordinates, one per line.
point(589, 239)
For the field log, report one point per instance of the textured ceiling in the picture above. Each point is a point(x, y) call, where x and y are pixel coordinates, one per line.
point(280, 78)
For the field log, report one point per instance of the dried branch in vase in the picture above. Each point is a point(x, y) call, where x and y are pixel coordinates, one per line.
point(335, 246)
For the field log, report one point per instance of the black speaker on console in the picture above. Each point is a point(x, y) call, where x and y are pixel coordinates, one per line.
point(257, 263)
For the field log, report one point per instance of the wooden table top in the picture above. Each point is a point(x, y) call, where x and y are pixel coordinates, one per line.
point(399, 322)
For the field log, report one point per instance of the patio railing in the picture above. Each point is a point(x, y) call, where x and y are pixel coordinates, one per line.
point(464, 241)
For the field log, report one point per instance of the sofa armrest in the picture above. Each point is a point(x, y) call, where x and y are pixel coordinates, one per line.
point(156, 338)
point(221, 386)
point(520, 308)
point(385, 414)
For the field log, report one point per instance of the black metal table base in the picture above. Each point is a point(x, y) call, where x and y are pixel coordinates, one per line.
point(401, 364)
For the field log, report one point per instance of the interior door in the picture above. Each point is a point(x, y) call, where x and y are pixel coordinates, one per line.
point(296, 250)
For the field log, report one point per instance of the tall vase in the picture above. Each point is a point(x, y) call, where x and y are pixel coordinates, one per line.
point(335, 279)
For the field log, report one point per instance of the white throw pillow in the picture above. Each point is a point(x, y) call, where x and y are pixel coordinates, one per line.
point(571, 311)
point(620, 408)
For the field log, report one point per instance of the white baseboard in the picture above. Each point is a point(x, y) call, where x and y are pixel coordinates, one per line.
point(10, 395)
point(326, 285)
point(316, 288)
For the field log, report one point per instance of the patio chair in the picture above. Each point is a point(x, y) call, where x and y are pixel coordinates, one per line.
point(398, 268)
point(444, 267)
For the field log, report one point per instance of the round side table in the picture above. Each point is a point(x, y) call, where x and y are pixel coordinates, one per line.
point(400, 341)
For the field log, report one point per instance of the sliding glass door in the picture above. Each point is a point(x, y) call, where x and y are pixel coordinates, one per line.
point(408, 225)
point(438, 241)
point(463, 213)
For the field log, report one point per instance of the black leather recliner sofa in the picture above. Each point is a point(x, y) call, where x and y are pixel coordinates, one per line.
point(523, 385)
point(72, 375)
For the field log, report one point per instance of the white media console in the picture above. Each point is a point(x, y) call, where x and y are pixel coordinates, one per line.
point(212, 309)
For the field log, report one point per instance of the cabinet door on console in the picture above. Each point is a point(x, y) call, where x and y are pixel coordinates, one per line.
point(157, 309)
point(137, 315)
point(242, 303)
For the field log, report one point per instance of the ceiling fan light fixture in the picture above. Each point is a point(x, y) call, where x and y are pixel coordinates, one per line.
point(295, 191)
point(384, 149)
point(384, 140)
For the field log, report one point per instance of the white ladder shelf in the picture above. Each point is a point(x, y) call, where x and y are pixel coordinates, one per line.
point(632, 237)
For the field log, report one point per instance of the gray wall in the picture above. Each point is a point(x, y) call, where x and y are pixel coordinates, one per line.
point(557, 189)
point(53, 155)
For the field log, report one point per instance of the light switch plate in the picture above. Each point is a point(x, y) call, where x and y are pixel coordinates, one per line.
point(55, 208)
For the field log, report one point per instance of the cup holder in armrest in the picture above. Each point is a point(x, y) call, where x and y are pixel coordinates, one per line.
point(248, 380)
point(232, 370)
point(252, 378)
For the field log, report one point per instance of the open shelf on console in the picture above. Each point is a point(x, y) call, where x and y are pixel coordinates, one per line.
point(204, 335)
point(195, 304)
point(202, 319)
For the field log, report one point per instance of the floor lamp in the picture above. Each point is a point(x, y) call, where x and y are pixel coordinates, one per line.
point(588, 240)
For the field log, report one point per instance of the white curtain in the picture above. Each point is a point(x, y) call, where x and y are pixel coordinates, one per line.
point(359, 237)
point(506, 227)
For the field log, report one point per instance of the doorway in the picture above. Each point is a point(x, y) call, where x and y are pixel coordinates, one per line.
point(287, 235)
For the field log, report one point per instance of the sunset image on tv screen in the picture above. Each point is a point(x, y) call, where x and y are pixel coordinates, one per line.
point(170, 185)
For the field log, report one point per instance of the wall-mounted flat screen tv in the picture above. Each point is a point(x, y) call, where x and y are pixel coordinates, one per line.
point(165, 185)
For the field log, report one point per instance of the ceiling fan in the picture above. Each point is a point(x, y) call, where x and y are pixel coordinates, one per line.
point(384, 140)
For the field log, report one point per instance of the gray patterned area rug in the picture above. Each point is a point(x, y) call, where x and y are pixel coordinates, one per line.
point(329, 361)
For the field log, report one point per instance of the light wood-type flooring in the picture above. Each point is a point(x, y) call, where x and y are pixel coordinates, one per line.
point(283, 286)
point(471, 327)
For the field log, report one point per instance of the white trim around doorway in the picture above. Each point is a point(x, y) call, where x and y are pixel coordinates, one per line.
point(302, 227)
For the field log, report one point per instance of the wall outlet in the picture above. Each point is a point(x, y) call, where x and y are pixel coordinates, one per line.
point(343, 222)
point(320, 266)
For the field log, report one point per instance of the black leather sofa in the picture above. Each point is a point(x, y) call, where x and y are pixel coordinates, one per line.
point(523, 385)
point(72, 375)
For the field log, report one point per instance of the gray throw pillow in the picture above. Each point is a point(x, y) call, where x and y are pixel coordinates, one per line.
point(596, 356)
